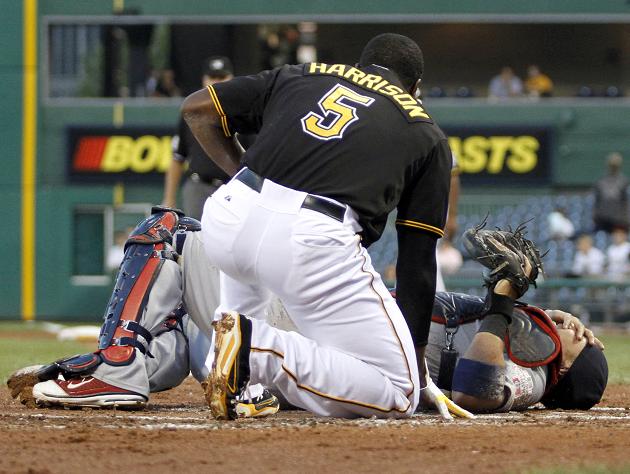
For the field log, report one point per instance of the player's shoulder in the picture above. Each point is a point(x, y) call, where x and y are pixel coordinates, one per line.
point(428, 132)
point(290, 70)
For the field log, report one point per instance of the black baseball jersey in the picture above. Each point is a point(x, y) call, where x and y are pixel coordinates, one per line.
point(354, 135)
point(188, 149)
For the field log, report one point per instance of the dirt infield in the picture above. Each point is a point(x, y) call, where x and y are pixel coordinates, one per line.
point(176, 434)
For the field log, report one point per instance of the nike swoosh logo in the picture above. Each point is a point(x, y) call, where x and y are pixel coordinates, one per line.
point(72, 385)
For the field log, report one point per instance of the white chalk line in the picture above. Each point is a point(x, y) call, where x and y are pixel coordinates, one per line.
point(162, 421)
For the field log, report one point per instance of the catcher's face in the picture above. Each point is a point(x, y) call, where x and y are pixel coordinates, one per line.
point(571, 347)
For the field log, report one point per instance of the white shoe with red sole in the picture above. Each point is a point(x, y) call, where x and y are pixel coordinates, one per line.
point(85, 392)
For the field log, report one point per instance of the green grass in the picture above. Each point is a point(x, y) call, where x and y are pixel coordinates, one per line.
point(618, 355)
point(16, 352)
point(35, 347)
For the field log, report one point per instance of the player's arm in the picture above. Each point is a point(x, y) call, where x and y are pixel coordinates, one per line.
point(172, 179)
point(420, 222)
point(173, 175)
point(479, 378)
point(205, 120)
point(450, 229)
point(220, 111)
point(421, 218)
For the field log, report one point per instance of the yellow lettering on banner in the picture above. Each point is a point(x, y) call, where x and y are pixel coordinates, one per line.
point(145, 153)
point(474, 156)
point(354, 74)
point(166, 154)
point(317, 67)
point(498, 150)
point(493, 154)
point(524, 157)
point(337, 69)
point(116, 155)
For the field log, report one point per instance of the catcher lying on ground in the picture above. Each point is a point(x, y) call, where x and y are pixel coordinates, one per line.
point(514, 355)
point(561, 365)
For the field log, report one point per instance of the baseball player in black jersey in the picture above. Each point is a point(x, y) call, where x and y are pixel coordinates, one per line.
point(338, 148)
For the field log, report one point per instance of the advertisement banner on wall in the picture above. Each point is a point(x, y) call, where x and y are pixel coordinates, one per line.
point(130, 154)
point(486, 154)
point(502, 155)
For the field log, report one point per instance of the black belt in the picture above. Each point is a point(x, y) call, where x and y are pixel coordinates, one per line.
point(314, 203)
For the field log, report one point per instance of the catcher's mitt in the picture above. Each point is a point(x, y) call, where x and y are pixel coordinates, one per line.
point(505, 254)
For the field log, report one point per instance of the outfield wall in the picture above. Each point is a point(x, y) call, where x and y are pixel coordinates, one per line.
point(583, 132)
point(583, 135)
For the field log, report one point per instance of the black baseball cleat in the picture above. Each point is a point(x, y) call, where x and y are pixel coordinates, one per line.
point(263, 405)
point(230, 371)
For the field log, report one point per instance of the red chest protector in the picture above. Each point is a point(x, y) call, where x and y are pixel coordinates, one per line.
point(532, 339)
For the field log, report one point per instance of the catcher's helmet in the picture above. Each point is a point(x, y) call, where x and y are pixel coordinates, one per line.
point(584, 383)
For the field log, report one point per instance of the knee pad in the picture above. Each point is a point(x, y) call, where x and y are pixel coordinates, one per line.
point(478, 379)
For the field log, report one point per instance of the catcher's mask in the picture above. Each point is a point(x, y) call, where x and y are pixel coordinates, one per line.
point(584, 383)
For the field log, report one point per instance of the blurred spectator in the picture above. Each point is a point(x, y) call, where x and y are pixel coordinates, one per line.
point(506, 84)
point(166, 86)
point(203, 176)
point(450, 228)
point(152, 82)
point(280, 48)
point(617, 255)
point(389, 276)
point(116, 252)
point(538, 84)
point(589, 260)
point(613, 91)
point(611, 197)
point(464, 92)
point(585, 91)
point(436, 92)
point(449, 259)
point(560, 226)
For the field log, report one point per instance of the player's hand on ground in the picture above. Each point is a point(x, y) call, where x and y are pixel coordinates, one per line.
point(568, 321)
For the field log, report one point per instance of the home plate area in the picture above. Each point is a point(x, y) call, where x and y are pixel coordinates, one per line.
point(176, 433)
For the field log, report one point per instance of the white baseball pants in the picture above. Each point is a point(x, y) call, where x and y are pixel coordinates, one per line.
point(354, 356)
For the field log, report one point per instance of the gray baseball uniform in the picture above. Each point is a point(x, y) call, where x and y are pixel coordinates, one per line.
point(524, 386)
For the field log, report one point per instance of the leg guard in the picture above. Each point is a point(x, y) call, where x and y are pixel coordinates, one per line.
point(167, 369)
point(169, 366)
point(146, 249)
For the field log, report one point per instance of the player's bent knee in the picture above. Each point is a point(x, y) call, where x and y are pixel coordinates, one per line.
point(477, 385)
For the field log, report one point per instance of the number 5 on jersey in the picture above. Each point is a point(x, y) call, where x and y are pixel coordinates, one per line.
point(338, 113)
